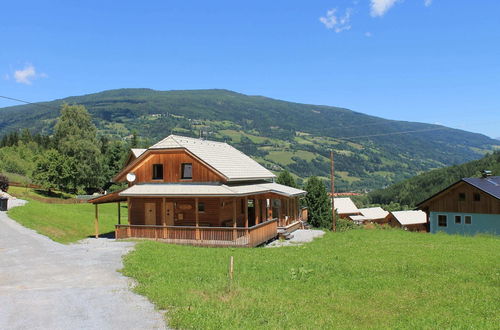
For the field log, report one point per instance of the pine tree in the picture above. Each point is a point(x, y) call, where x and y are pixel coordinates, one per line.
point(318, 203)
point(287, 179)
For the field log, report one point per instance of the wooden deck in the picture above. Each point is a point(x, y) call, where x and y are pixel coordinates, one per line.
point(203, 236)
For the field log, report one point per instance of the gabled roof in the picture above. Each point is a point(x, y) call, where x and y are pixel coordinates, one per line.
point(345, 206)
point(410, 217)
point(230, 162)
point(208, 190)
point(490, 185)
point(374, 212)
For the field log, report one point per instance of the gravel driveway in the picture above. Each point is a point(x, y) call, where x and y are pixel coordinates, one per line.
point(47, 285)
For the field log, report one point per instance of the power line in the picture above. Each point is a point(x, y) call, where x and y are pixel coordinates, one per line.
point(27, 102)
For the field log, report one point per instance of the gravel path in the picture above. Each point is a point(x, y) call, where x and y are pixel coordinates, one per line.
point(300, 236)
point(47, 285)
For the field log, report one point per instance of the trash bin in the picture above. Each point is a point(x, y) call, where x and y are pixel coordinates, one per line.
point(3, 203)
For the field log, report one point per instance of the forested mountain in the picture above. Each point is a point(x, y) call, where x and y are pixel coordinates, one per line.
point(417, 189)
point(278, 134)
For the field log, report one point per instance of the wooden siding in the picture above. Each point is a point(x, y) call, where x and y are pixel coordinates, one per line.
point(448, 201)
point(183, 208)
point(172, 161)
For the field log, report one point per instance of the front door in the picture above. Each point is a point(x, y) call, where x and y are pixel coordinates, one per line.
point(150, 214)
point(169, 214)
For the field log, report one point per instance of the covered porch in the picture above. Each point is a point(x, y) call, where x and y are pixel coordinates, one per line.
point(204, 219)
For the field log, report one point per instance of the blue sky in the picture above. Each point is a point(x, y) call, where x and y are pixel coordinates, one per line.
point(419, 60)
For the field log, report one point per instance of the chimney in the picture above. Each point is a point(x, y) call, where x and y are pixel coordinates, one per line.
point(485, 173)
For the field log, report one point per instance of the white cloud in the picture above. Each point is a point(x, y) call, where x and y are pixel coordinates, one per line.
point(380, 7)
point(332, 21)
point(27, 75)
point(427, 3)
point(368, 34)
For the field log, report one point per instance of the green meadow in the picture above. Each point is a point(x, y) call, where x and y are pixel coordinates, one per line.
point(354, 279)
point(63, 223)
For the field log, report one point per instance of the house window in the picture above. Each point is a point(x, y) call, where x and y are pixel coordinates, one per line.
point(186, 171)
point(468, 220)
point(201, 207)
point(442, 220)
point(477, 197)
point(157, 171)
point(458, 219)
point(461, 197)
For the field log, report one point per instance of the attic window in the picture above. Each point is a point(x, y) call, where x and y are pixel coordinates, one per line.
point(477, 197)
point(461, 197)
point(157, 171)
point(186, 171)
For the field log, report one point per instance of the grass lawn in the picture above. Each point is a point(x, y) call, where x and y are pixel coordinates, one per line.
point(355, 279)
point(64, 223)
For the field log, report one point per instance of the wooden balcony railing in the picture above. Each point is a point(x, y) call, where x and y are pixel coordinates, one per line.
point(205, 236)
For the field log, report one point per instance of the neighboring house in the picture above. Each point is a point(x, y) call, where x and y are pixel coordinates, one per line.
point(193, 191)
point(370, 215)
point(469, 206)
point(408, 220)
point(345, 207)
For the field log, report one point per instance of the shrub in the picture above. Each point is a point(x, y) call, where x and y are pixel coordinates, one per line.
point(345, 225)
point(4, 183)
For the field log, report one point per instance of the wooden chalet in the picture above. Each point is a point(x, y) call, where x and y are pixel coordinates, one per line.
point(408, 220)
point(192, 191)
point(469, 206)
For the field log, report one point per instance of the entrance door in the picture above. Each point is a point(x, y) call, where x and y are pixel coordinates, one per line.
point(150, 214)
point(169, 213)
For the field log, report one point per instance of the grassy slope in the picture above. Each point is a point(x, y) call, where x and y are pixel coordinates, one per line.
point(361, 278)
point(64, 223)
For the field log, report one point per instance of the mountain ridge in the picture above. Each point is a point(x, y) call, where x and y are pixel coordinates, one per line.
point(370, 151)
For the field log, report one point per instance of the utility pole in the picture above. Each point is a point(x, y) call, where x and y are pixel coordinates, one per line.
point(332, 180)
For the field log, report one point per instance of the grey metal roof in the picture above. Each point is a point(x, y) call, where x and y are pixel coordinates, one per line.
point(344, 205)
point(230, 162)
point(208, 190)
point(489, 184)
point(410, 217)
point(137, 152)
point(374, 212)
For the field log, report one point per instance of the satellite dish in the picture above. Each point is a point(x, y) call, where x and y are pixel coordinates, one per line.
point(131, 177)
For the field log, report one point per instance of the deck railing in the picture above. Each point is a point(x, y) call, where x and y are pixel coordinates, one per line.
point(205, 236)
point(290, 228)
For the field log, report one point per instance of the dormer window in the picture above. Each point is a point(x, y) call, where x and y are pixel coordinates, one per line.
point(186, 171)
point(157, 171)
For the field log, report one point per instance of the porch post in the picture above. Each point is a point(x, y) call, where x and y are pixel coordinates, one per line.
point(129, 209)
point(234, 220)
point(119, 214)
point(256, 205)
point(163, 217)
point(196, 200)
point(246, 211)
point(288, 210)
point(96, 221)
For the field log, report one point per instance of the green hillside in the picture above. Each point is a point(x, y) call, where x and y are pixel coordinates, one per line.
point(414, 190)
point(278, 134)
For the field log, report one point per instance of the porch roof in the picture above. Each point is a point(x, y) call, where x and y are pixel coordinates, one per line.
point(208, 190)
